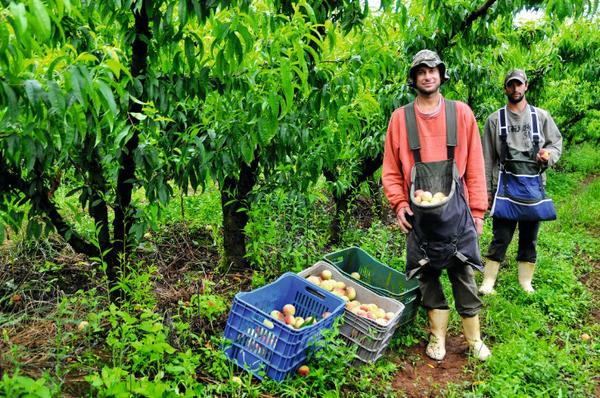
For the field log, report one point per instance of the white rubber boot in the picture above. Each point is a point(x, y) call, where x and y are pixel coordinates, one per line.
point(473, 337)
point(438, 323)
point(526, 270)
point(490, 272)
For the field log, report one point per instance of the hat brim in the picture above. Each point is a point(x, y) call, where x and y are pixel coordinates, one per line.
point(429, 64)
point(517, 78)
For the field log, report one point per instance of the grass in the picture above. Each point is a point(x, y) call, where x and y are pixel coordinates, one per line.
point(165, 341)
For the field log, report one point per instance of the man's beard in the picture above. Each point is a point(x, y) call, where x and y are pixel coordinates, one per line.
point(429, 92)
point(515, 100)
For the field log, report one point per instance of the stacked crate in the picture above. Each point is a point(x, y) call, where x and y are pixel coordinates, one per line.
point(266, 346)
point(372, 338)
point(378, 277)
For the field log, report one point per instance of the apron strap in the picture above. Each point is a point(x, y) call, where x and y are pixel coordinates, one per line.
point(413, 132)
point(535, 129)
point(451, 126)
point(503, 131)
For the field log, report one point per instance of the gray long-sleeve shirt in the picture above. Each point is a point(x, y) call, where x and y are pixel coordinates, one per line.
point(519, 138)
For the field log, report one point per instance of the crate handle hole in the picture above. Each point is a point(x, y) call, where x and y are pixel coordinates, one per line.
point(315, 292)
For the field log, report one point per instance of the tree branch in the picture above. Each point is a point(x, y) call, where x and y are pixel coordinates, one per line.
point(42, 204)
point(139, 64)
point(468, 21)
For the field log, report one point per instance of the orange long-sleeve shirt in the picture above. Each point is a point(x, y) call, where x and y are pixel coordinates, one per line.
point(398, 158)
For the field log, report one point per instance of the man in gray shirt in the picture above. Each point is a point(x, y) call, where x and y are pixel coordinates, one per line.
point(520, 144)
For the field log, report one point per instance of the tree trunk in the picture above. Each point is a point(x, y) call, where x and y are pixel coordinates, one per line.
point(234, 194)
point(368, 167)
point(340, 216)
point(124, 217)
point(375, 191)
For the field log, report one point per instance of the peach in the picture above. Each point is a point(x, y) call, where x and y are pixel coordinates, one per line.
point(326, 274)
point(303, 370)
point(289, 309)
point(362, 313)
point(277, 315)
point(351, 292)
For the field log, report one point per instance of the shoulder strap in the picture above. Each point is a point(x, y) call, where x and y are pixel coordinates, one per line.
point(503, 132)
point(450, 127)
point(413, 132)
point(535, 129)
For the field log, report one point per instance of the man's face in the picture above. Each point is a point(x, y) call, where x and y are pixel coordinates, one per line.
point(515, 91)
point(427, 80)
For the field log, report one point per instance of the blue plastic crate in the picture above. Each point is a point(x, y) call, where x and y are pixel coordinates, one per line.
point(278, 350)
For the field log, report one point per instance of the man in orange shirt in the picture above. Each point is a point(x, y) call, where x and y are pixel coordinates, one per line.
point(431, 144)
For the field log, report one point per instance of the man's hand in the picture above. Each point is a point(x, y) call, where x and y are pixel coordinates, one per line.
point(542, 156)
point(478, 225)
point(402, 214)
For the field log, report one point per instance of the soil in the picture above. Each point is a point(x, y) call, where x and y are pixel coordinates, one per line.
point(421, 376)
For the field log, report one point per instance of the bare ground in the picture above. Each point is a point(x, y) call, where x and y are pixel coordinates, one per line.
point(421, 376)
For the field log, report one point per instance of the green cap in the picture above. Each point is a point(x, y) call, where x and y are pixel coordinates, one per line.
point(428, 58)
point(515, 74)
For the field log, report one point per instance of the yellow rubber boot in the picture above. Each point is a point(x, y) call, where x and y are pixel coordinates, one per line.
point(490, 272)
point(526, 270)
point(438, 323)
point(473, 337)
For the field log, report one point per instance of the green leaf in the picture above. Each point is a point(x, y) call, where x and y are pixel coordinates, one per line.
point(11, 98)
point(238, 52)
point(189, 53)
point(57, 101)
point(247, 150)
point(3, 38)
point(286, 83)
point(138, 116)
point(41, 20)
point(163, 193)
point(52, 66)
point(20, 19)
point(33, 88)
point(199, 44)
point(107, 95)
point(117, 67)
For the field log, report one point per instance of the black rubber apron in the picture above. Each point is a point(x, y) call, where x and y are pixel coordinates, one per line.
point(444, 233)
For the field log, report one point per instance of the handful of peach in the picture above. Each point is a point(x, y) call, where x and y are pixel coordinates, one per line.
point(426, 198)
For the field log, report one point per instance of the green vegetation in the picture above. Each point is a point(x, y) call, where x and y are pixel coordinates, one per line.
point(166, 339)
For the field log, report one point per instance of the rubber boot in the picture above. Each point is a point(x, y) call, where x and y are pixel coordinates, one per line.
point(526, 270)
point(473, 337)
point(438, 322)
point(490, 272)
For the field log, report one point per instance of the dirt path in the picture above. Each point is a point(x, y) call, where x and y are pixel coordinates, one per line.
point(421, 376)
